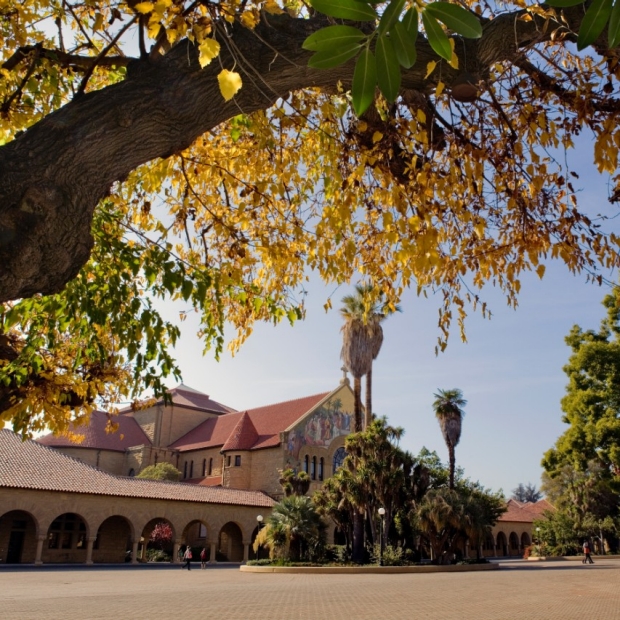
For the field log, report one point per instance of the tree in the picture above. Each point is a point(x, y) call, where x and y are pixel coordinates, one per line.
point(362, 336)
point(128, 174)
point(526, 493)
point(293, 529)
point(448, 407)
point(161, 536)
point(161, 471)
point(294, 483)
point(591, 405)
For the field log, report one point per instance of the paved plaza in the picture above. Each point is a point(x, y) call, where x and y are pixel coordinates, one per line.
point(520, 590)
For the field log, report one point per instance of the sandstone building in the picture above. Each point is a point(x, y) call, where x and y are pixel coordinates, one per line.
point(68, 501)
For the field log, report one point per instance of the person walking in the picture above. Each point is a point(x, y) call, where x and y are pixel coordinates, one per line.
point(203, 558)
point(587, 558)
point(187, 556)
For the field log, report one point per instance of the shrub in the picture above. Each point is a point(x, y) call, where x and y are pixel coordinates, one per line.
point(157, 555)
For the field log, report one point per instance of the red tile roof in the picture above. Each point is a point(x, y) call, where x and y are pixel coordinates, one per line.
point(244, 435)
point(525, 512)
point(268, 421)
point(96, 436)
point(185, 396)
point(29, 465)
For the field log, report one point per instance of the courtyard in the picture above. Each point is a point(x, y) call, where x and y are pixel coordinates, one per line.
point(520, 590)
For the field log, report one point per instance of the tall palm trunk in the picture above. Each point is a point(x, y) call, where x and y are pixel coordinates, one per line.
point(368, 412)
point(357, 405)
point(452, 458)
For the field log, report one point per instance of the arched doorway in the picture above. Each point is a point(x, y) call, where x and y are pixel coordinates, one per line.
point(502, 544)
point(196, 535)
point(513, 541)
point(157, 541)
point(18, 533)
point(263, 553)
point(113, 542)
point(526, 541)
point(230, 544)
point(66, 539)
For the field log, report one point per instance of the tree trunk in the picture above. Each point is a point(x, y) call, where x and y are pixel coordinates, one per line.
point(54, 174)
point(358, 537)
point(357, 405)
point(368, 412)
point(452, 464)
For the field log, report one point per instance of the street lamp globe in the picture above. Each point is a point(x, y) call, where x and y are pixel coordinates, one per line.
point(381, 511)
point(259, 518)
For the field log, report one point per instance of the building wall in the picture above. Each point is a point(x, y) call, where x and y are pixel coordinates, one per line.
point(107, 460)
point(198, 457)
point(139, 514)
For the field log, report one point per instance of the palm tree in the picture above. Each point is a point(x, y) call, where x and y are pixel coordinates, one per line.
point(293, 527)
point(448, 407)
point(362, 337)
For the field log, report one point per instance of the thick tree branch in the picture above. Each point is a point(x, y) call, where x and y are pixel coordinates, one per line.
point(64, 59)
point(54, 174)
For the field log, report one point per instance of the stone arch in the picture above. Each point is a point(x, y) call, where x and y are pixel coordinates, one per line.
point(197, 533)
point(513, 544)
point(19, 530)
point(526, 541)
point(230, 543)
point(502, 544)
point(67, 539)
point(164, 544)
point(113, 543)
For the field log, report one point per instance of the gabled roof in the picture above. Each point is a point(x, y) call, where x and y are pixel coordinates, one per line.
point(185, 396)
point(29, 465)
point(96, 436)
point(268, 421)
point(525, 512)
point(244, 435)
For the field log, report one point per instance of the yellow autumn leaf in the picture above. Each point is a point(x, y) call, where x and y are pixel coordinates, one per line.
point(430, 67)
point(208, 50)
point(144, 7)
point(271, 6)
point(454, 61)
point(230, 83)
point(376, 137)
point(540, 270)
point(439, 89)
point(249, 19)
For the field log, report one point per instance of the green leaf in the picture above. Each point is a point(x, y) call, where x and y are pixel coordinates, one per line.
point(345, 9)
point(564, 3)
point(332, 37)
point(436, 36)
point(404, 46)
point(330, 58)
point(410, 22)
point(613, 36)
point(388, 71)
point(456, 18)
point(593, 23)
point(364, 81)
point(390, 15)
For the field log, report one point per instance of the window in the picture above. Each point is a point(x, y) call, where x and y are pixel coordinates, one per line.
point(306, 463)
point(185, 470)
point(228, 461)
point(237, 460)
point(132, 472)
point(202, 531)
point(321, 468)
point(191, 469)
point(204, 467)
point(210, 466)
point(338, 458)
point(313, 468)
point(156, 458)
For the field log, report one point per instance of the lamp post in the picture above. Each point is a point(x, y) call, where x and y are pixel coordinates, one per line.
point(259, 519)
point(538, 537)
point(382, 535)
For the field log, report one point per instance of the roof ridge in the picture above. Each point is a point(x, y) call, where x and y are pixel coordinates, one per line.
point(284, 402)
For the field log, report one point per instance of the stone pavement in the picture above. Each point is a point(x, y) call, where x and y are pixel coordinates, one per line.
point(520, 590)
